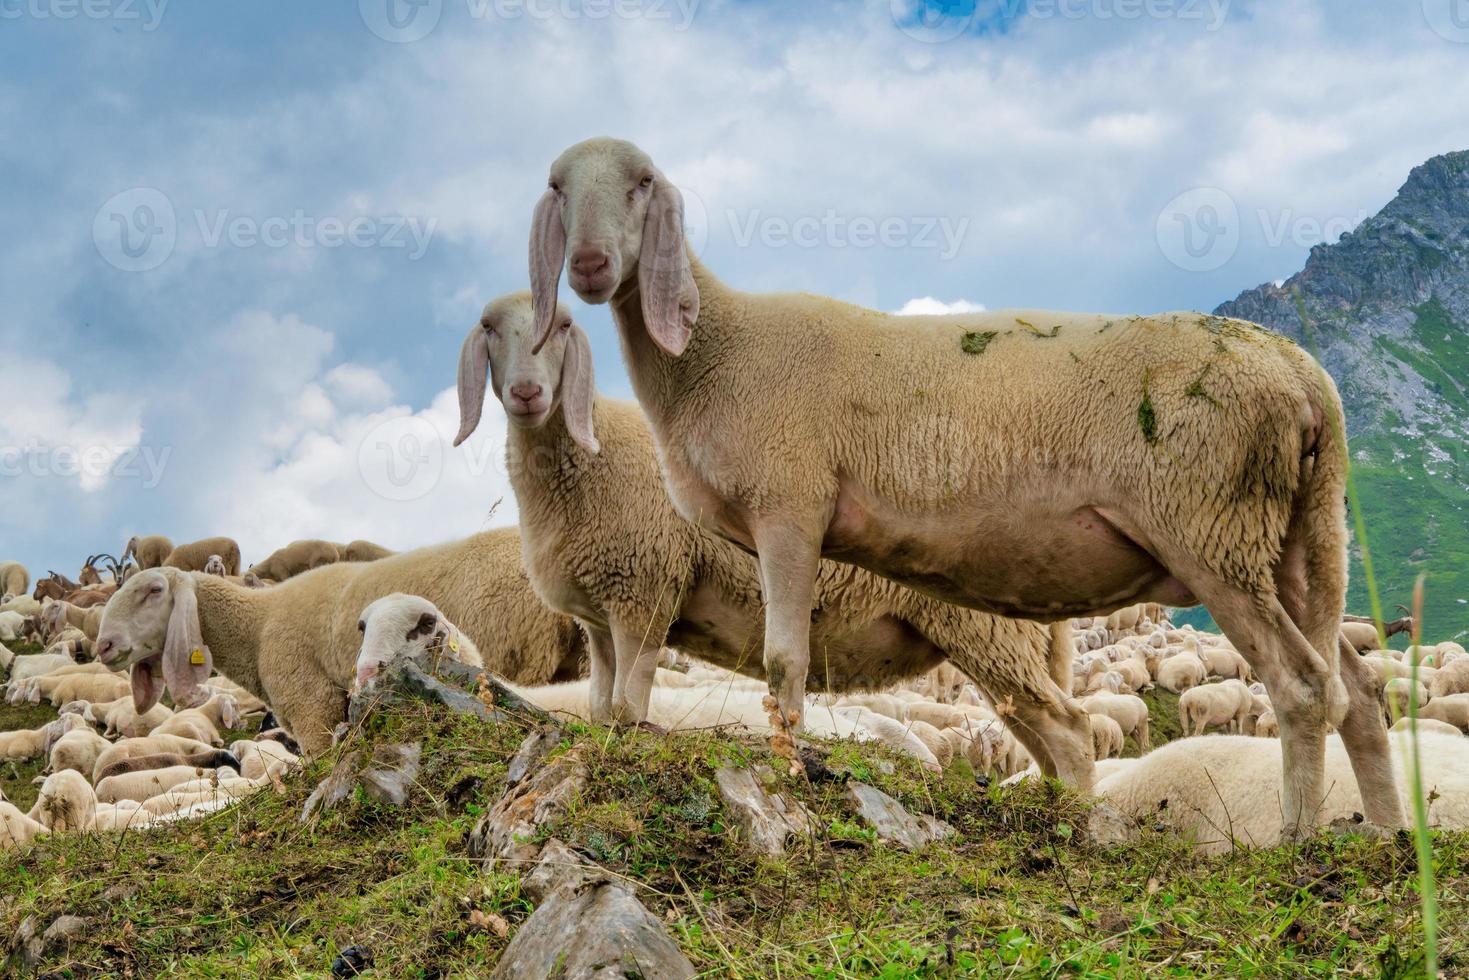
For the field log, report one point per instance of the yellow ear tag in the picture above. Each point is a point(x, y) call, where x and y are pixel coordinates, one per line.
point(197, 657)
point(453, 644)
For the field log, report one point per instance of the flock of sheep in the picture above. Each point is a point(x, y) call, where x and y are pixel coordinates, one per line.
point(920, 519)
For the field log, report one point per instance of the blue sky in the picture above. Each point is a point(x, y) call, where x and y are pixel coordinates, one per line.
point(246, 240)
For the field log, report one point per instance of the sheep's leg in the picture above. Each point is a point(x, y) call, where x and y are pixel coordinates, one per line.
point(1364, 735)
point(789, 553)
point(1142, 737)
point(604, 673)
point(637, 649)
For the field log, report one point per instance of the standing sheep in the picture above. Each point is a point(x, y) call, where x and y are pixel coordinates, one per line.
point(14, 579)
point(1030, 464)
point(295, 645)
point(148, 552)
point(1128, 710)
point(194, 556)
point(603, 543)
point(1227, 703)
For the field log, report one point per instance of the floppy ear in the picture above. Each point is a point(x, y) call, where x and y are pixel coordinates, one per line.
point(474, 365)
point(187, 662)
point(578, 389)
point(547, 255)
point(670, 298)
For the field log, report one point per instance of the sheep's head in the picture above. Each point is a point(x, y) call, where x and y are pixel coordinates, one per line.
point(530, 385)
point(215, 566)
point(610, 216)
point(397, 624)
point(151, 624)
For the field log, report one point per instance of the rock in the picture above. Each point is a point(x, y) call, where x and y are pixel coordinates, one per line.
point(460, 688)
point(766, 820)
point(537, 746)
point(64, 929)
point(334, 788)
point(1107, 825)
point(597, 930)
point(352, 961)
point(392, 773)
point(559, 868)
point(892, 822)
point(504, 832)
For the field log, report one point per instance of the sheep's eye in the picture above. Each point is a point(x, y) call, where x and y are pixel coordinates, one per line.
point(488, 327)
point(555, 185)
point(156, 590)
point(647, 181)
point(566, 325)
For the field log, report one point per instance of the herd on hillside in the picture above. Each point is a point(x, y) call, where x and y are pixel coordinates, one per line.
point(956, 535)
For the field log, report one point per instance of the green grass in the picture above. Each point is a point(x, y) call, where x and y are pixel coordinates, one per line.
point(250, 892)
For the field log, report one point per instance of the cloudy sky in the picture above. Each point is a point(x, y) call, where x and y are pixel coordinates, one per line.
point(246, 239)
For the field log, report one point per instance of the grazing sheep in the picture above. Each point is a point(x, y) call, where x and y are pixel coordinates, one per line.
point(1127, 710)
point(16, 827)
point(295, 558)
point(77, 750)
point(1266, 726)
point(61, 614)
point(401, 623)
point(14, 579)
point(365, 551)
point(121, 717)
point(295, 645)
point(1218, 791)
point(1106, 736)
point(1226, 703)
point(1452, 678)
point(1452, 709)
point(1396, 695)
point(1181, 671)
point(218, 711)
point(192, 557)
point(603, 543)
point(149, 552)
point(66, 802)
point(918, 448)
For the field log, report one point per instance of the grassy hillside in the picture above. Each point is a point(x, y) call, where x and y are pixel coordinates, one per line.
point(1019, 891)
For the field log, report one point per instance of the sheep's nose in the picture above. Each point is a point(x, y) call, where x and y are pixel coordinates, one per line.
point(588, 260)
point(103, 648)
point(525, 392)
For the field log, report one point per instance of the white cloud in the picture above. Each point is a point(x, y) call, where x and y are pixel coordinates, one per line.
point(928, 306)
point(49, 430)
point(358, 385)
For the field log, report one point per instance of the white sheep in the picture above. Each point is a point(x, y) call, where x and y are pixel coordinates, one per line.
point(1216, 790)
point(408, 624)
point(1452, 709)
point(135, 748)
point(145, 783)
point(17, 827)
point(1129, 711)
point(12, 627)
point(1225, 703)
point(1181, 671)
point(1402, 693)
point(1452, 678)
point(35, 743)
point(77, 749)
point(37, 664)
point(603, 543)
point(952, 453)
point(66, 802)
point(122, 815)
point(1106, 736)
point(1406, 724)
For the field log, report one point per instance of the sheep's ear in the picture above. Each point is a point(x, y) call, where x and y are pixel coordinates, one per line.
point(670, 297)
point(547, 255)
point(187, 662)
point(474, 366)
point(578, 389)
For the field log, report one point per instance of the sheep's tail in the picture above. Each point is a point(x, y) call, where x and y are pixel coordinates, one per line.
point(1322, 519)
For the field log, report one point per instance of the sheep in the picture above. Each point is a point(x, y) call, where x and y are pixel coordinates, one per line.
point(212, 759)
point(25, 605)
point(215, 566)
point(1406, 724)
point(122, 815)
point(77, 750)
point(133, 748)
point(1266, 726)
point(1452, 678)
point(14, 579)
point(122, 718)
point(192, 557)
point(952, 453)
point(398, 623)
point(142, 785)
point(149, 552)
point(66, 802)
point(17, 827)
point(603, 543)
point(34, 743)
point(1452, 709)
point(86, 687)
point(1226, 703)
point(1127, 710)
point(295, 645)
point(295, 558)
point(217, 712)
point(1215, 790)
point(360, 550)
point(61, 614)
point(1361, 636)
point(1106, 736)
point(1224, 662)
point(12, 626)
point(256, 757)
point(7, 657)
point(1396, 694)
point(1181, 671)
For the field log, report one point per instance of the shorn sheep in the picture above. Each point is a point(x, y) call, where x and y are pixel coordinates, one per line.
point(194, 556)
point(602, 543)
point(149, 551)
point(14, 579)
point(295, 645)
point(1030, 464)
